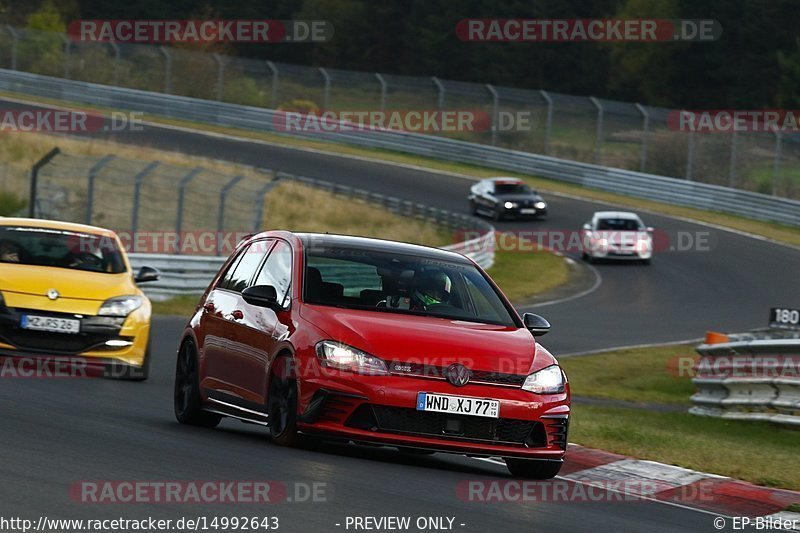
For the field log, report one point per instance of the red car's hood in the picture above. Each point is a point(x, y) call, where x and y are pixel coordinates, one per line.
point(432, 341)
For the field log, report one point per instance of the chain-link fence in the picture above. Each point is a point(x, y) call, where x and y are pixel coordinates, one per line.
point(150, 200)
point(616, 134)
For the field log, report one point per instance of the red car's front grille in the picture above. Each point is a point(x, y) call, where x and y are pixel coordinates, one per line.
point(410, 421)
point(476, 376)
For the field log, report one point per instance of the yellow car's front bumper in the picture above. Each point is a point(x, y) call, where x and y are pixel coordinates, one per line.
point(127, 344)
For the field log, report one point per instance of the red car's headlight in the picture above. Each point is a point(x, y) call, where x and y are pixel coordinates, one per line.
point(549, 380)
point(343, 357)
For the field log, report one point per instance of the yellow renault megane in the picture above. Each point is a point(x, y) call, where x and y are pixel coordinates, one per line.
point(67, 291)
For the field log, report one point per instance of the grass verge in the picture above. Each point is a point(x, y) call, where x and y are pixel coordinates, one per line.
point(635, 375)
point(777, 232)
point(751, 451)
point(758, 452)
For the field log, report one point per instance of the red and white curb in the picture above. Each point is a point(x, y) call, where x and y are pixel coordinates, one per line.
point(690, 488)
point(677, 486)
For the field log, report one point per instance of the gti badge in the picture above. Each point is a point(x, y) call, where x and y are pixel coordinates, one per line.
point(52, 294)
point(457, 374)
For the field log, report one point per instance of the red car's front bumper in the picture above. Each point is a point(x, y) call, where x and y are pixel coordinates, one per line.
point(382, 410)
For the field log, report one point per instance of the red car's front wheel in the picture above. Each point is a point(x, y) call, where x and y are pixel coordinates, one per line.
point(282, 403)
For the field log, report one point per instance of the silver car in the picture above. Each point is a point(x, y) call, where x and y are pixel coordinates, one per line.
point(616, 235)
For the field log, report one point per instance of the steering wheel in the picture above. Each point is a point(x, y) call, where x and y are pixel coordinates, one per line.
point(82, 260)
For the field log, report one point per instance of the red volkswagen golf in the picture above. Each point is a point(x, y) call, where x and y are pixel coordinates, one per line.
point(373, 342)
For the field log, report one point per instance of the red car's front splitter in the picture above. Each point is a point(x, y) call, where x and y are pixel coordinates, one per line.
point(356, 408)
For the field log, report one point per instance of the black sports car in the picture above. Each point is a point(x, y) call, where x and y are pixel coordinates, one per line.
point(504, 198)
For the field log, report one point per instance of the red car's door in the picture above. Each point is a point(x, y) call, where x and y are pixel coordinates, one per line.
point(261, 328)
point(224, 343)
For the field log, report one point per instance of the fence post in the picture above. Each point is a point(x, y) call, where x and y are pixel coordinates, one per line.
point(96, 168)
point(274, 70)
point(223, 194)
point(262, 194)
point(115, 47)
point(35, 179)
point(66, 56)
point(495, 111)
point(137, 194)
point(645, 136)
point(220, 75)
point(776, 164)
point(383, 90)
point(549, 121)
point(189, 176)
point(598, 134)
point(14, 40)
point(326, 95)
point(690, 156)
point(734, 146)
point(441, 89)
point(167, 69)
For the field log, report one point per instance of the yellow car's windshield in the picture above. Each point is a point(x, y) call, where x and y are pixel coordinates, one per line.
point(60, 249)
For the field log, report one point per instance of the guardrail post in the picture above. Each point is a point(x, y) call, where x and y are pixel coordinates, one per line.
point(137, 194)
point(96, 168)
point(548, 126)
point(274, 70)
point(220, 75)
point(167, 68)
point(441, 89)
point(223, 194)
point(495, 111)
point(66, 55)
point(734, 147)
point(598, 134)
point(383, 90)
point(645, 136)
point(182, 185)
point(35, 179)
point(14, 41)
point(776, 163)
point(690, 156)
point(115, 47)
point(326, 95)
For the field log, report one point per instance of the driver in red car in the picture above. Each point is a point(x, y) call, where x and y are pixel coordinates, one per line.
point(432, 288)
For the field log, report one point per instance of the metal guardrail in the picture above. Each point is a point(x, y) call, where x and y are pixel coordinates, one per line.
point(579, 128)
point(649, 186)
point(182, 274)
point(749, 378)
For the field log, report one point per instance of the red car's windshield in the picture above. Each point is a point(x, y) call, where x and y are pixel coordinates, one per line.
point(387, 282)
point(60, 249)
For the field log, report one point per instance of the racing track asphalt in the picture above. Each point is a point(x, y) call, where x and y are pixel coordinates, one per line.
point(59, 431)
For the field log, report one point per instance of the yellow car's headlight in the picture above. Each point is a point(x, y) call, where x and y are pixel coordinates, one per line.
point(120, 306)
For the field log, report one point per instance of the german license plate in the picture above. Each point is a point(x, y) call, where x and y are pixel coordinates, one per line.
point(458, 405)
point(51, 324)
point(527, 211)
